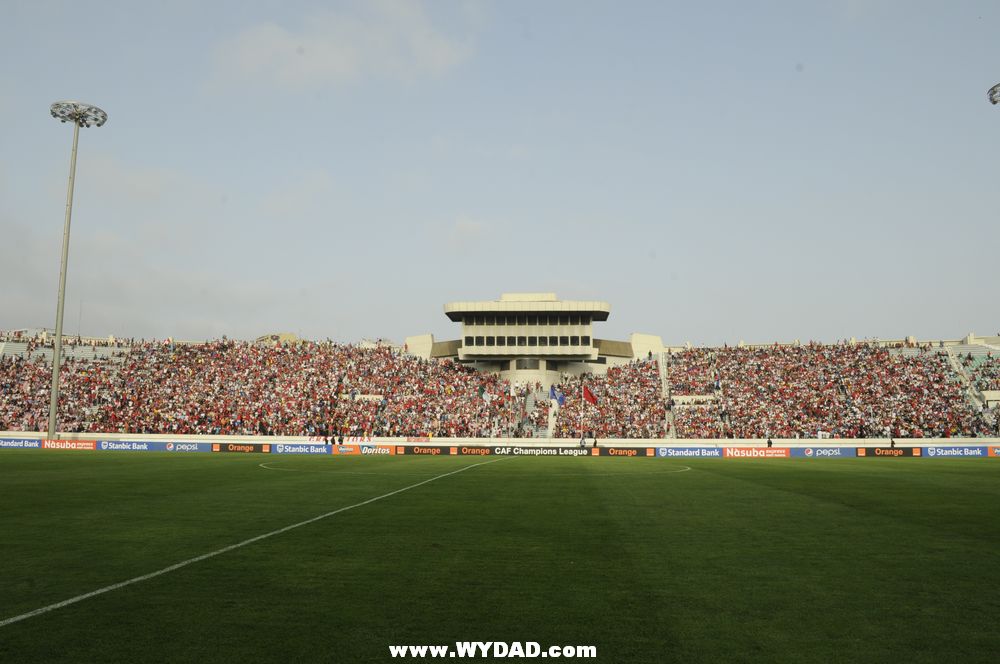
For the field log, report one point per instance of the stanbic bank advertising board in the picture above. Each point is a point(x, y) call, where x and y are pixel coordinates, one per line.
point(954, 450)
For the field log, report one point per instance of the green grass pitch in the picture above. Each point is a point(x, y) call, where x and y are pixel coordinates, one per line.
point(847, 560)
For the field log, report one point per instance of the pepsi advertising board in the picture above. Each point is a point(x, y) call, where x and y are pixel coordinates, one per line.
point(189, 447)
point(822, 452)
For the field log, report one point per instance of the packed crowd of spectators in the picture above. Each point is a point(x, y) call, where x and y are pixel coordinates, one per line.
point(539, 417)
point(327, 389)
point(25, 385)
point(703, 420)
point(693, 372)
point(629, 404)
point(231, 387)
point(843, 391)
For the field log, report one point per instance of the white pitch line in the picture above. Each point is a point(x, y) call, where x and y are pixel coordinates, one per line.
point(264, 465)
point(231, 547)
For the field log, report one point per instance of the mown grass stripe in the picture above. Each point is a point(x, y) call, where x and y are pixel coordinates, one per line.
point(227, 549)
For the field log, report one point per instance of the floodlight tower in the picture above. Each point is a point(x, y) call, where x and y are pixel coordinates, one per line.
point(81, 115)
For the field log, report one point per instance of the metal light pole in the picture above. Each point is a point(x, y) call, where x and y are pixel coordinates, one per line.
point(81, 115)
point(994, 94)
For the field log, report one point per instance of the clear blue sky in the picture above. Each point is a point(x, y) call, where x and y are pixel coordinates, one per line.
point(716, 171)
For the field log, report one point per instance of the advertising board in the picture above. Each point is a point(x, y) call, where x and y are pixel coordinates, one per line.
point(376, 450)
point(424, 450)
point(888, 452)
point(364, 450)
point(242, 448)
point(67, 444)
point(689, 452)
point(823, 452)
point(756, 452)
point(20, 443)
point(188, 447)
point(627, 452)
point(955, 451)
point(471, 450)
point(514, 450)
point(301, 448)
point(131, 446)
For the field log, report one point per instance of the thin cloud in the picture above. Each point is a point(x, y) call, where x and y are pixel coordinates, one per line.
point(467, 233)
point(381, 38)
point(310, 192)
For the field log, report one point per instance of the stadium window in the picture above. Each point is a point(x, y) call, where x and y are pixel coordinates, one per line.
point(564, 320)
point(543, 341)
point(501, 341)
point(491, 341)
point(468, 341)
point(585, 341)
point(480, 341)
point(553, 341)
point(511, 341)
point(491, 320)
point(532, 341)
point(532, 320)
point(574, 341)
point(551, 365)
point(574, 320)
point(563, 341)
point(522, 341)
point(521, 319)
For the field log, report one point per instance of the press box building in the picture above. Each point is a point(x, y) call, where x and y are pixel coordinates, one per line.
point(533, 337)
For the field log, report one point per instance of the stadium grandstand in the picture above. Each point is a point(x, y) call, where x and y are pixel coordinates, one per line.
point(477, 387)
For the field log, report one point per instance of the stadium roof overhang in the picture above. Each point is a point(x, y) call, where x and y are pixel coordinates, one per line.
point(528, 303)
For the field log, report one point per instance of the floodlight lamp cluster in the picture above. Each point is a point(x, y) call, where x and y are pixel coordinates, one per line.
point(79, 113)
point(994, 94)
